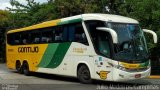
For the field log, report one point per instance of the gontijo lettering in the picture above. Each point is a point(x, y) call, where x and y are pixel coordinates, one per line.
point(28, 49)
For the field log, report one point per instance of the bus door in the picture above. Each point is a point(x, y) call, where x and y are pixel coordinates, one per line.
point(103, 62)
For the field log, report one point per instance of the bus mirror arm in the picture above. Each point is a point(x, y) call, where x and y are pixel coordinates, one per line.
point(111, 31)
point(153, 33)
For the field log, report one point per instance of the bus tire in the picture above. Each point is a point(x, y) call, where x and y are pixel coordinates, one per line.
point(19, 67)
point(26, 69)
point(83, 74)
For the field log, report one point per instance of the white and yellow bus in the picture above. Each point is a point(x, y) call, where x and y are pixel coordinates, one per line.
point(88, 46)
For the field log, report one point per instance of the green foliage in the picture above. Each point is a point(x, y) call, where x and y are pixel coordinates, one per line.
point(33, 12)
point(23, 15)
point(74, 7)
point(147, 12)
point(4, 18)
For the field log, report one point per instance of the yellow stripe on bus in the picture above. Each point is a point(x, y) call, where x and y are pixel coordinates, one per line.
point(37, 26)
point(130, 66)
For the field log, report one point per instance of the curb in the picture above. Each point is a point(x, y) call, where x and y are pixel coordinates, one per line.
point(154, 77)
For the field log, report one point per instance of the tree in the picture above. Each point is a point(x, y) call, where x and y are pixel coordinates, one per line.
point(147, 12)
point(74, 7)
point(4, 19)
point(22, 14)
point(31, 13)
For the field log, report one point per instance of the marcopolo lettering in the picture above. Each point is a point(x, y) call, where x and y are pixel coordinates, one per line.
point(28, 49)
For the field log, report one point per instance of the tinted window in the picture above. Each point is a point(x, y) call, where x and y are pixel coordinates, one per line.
point(77, 34)
point(64, 33)
point(61, 34)
point(99, 38)
point(10, 39)
point(25, 38)
point(48, 35)
point(35, 37)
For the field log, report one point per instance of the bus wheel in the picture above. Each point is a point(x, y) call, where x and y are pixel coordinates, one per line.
point(84, 74)
point(18, 67)
point(26, 69)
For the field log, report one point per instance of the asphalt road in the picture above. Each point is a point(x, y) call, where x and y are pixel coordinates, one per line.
point(11, 80)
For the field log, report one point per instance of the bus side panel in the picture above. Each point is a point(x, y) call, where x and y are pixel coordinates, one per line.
point(78, 53)
point(10, 56)
point(69, 55)
point(30, 53)
point(53, 57)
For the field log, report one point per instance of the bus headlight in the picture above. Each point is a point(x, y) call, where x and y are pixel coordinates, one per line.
point(120, 67)
point(149, 65)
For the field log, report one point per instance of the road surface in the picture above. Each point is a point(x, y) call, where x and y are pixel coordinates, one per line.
point(11, 80)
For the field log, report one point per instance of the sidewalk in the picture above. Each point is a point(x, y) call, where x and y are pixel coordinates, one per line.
point(154, 76)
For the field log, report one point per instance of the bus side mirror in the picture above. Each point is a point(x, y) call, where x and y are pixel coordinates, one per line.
point(111, 31)
point(153, 33)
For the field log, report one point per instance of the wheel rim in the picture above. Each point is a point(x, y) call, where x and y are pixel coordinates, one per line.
point(18, 66)
point(25, 68)
point(85, 74)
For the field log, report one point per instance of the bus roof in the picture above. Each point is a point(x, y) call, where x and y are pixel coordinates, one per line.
point(109, 18)
point(77, 18)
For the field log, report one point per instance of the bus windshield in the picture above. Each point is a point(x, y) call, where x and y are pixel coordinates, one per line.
point(131, 45)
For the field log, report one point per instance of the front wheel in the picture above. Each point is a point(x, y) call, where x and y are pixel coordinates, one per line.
point(84, 74)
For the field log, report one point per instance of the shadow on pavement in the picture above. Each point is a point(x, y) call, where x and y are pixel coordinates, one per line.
point(95, 82)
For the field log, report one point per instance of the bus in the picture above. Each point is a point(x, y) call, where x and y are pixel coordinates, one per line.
point(87, 46)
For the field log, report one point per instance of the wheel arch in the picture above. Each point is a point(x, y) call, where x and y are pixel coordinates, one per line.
point(18, 61)
point(89, 67)
point(25, 61)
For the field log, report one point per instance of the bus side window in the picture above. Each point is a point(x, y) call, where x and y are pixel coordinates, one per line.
point(24, 41)
point(16, 42)
point(10, 39)
point(44, 39)
point(61, 34)
point(47, 35)
point(65, 34)
point(13, 39)
point(35, 38)
point(100, 39)
point(77, 34)
point(71, 33)
point(58, 34)
point(25, 38)
point(17, 39)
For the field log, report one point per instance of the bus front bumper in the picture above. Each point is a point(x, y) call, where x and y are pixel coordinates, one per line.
point(120, 75)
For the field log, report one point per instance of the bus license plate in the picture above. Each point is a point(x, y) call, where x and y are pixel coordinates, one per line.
point(137, 75)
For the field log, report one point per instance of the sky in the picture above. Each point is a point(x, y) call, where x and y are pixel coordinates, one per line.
point(5, 3)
